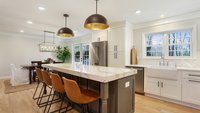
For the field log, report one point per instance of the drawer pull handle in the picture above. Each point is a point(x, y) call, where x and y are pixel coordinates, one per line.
point(194, 81)
point(194, 75)
point(158, 83)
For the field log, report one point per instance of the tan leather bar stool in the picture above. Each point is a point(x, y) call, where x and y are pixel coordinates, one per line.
point(78, 96)
point(47, 83)
point(40, 80)
point(58, 88)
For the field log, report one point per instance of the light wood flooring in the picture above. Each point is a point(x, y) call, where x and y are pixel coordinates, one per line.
point(22, 102)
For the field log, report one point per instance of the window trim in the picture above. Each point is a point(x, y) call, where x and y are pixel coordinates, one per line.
point(193, 44)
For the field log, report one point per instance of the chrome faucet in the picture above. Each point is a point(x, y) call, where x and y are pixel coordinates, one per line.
point(163, 62)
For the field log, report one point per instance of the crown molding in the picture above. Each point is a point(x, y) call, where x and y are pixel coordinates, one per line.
point(168, 20)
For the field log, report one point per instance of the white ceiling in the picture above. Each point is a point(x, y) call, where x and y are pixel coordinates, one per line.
point(15, 13)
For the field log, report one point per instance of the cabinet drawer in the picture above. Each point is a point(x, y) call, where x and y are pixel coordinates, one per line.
point(191, 75)
point(190, 91)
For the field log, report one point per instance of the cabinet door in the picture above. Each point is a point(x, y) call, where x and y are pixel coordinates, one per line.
point(152, 86)
point(171, 89)
point(100, 36)
point(116, 39)
point(116, 59)
point(191, 91)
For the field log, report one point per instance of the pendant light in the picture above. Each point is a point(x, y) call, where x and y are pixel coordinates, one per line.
point(96, 21)
point(65, 31)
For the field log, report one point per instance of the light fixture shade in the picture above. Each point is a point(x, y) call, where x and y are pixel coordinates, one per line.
point(96, 22)
point(65, 32)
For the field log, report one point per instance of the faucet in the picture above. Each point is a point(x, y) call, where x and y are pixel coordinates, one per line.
point(163, 62)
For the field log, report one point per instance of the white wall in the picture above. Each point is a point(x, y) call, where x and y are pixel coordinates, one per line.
point(137, 38)
point(21, 50)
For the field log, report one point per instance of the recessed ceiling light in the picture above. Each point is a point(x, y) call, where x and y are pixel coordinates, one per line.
point(29, 22)
point(21, 31)
point(41, 8)
point(162, 16)
point(138, 12)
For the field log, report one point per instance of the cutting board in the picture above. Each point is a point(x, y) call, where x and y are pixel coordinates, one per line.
point(133, 56)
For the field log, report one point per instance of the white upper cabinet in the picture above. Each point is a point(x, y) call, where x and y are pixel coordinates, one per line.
point(120, 42)
point(98, 36)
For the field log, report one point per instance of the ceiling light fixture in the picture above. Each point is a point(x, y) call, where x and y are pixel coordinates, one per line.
point(138, 12)
point(48, 46)
point(21, 31)
point(162, 16)
point(96, 21)
point(29, 22)
point(65, 31)
point(41, 8)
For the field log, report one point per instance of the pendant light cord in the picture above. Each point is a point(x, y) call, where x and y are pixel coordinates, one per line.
point(65, 21)
point(96, 6)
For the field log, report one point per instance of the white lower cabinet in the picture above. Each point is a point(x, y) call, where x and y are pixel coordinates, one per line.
point(171, 89)
point(165, 88)
point(152, 86)
point(163, 82)
point(191, 88)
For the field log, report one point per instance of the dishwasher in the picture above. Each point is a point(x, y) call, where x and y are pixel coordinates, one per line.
point(139, 79)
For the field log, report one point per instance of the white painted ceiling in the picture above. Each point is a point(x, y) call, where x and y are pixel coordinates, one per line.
point(15, 13)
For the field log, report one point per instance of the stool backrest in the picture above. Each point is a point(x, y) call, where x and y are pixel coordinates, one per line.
point(57, 83)
point(46, 78)
point(72, 89)
point(39, 74)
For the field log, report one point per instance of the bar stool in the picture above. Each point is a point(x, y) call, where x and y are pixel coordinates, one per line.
point(58, 88)
point(47, 83)
point(40, 80)
point(78, 96)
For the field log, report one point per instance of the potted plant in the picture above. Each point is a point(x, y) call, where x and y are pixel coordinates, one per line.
point(63, 53)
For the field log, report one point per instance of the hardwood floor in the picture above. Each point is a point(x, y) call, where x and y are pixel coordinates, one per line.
point(22, 102)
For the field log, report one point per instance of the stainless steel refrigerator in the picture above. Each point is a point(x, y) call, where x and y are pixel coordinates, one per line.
point(98, 52)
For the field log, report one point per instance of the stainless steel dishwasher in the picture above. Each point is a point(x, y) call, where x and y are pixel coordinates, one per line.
point(139, 79)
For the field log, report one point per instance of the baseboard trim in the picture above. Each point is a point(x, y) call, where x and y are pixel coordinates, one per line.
point(4, 77)
point(174, 101)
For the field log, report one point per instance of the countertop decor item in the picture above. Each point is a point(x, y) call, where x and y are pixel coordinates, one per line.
point(63, 53)
point(96, 21)
point(48, 46)
point(65, 31)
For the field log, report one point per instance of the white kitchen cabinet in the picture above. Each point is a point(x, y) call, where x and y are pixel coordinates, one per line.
point(170, 89)
point(159, 83)
point(116, 59)
point(98, 36)
point(120, 42)
point(191, 87)
point(116, 38)
point(152, 86)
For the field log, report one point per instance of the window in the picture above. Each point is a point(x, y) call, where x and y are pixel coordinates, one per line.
point(170, 44)
point(179, 43)
point(81, 53)
point(154, 44)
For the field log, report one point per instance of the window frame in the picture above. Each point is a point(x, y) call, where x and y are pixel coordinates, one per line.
point(193, 42)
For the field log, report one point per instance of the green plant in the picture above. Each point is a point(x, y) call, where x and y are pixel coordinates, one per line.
point(63, 53)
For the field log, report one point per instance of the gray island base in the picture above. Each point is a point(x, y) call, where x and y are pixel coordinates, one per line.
point(115, 85)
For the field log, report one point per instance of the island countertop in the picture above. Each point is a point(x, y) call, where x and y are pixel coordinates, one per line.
point(96, 73)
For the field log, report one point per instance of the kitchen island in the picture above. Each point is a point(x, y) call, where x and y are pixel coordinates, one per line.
point(116, 85)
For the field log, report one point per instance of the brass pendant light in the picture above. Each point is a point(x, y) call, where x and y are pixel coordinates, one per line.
point(65, 31)
point(96, 21)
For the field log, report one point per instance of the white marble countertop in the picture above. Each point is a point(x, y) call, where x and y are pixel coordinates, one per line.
point(181, 68)
point(96, 73)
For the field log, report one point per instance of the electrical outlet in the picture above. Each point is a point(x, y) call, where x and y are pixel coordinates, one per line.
point(127, 84)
